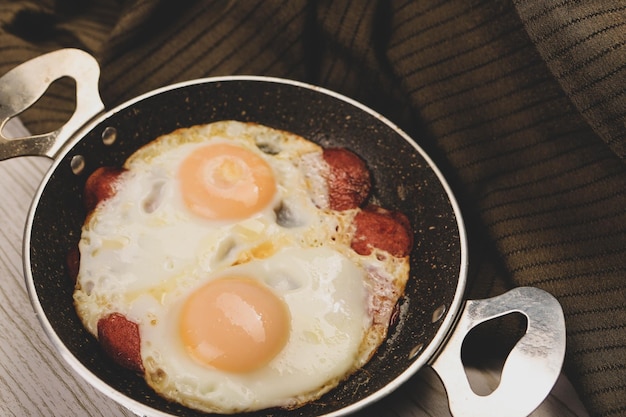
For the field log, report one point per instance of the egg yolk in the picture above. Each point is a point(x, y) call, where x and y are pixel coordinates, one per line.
point(234, 324)
point(223, 181)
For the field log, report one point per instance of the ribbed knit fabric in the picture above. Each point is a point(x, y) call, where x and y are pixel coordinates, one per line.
point(521, 103)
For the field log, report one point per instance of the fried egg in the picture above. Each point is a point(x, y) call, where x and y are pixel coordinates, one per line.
point(219, 245)
point(266, 333)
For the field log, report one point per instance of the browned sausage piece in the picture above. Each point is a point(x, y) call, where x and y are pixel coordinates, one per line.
point(349, 179)
point(100, 185)
point(383, 229)
point(73, 263)
point(120, 340)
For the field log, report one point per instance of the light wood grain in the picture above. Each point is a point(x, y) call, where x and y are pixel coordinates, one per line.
point(35, 381)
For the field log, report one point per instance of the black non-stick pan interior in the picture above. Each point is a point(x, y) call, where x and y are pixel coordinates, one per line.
point(402, 180)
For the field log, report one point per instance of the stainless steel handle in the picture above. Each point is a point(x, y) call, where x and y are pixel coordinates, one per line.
point(530, 370)
point(21, 87)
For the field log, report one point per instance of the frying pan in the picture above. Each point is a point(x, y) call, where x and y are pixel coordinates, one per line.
point(433, 317)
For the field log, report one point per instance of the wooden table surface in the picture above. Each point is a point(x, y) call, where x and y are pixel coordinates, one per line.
point(35, 381)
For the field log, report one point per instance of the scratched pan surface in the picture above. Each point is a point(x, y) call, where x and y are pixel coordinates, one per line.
point(403, 179)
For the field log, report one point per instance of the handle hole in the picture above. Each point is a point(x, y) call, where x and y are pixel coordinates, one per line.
point(14, 129)
point(53, 109)
point(486, 348)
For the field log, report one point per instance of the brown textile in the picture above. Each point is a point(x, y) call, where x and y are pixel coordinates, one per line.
point(522, 104)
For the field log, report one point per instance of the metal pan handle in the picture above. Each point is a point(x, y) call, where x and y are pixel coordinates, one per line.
point(530, 370)
point(21, 87)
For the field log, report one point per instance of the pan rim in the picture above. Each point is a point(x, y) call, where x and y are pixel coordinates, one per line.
point(426, 356)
